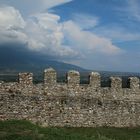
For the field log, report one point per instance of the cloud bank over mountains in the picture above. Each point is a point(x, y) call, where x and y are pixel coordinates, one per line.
point(43, 32)
point(91, 34)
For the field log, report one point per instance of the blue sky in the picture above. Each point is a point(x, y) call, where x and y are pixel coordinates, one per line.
point(94, 34)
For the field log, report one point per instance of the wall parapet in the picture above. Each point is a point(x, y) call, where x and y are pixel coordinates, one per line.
point(71, 104)
point(25, 79)
point(134, 83)
point(73, 78)
point(95, 80)
point(50, 77)
point(25, 83)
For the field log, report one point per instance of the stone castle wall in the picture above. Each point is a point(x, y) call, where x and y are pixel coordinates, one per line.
point(71, 104)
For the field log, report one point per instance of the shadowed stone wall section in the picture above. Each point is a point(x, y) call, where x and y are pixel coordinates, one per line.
point(71, 103)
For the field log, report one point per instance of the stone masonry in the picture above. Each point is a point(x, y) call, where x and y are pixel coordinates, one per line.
point(71, 104)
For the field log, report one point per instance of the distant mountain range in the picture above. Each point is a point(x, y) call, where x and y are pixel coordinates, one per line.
point(13, 61)
point(38, 66)
point(19, 60)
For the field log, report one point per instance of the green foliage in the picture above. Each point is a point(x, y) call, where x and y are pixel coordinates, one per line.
point(24, 130)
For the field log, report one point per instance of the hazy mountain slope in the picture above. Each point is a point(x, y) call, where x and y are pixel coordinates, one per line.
point(15, 60)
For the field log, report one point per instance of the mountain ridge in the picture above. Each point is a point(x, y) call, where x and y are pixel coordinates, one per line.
point(19, 60)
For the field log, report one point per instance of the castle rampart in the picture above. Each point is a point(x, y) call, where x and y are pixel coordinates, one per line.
point(71, 103)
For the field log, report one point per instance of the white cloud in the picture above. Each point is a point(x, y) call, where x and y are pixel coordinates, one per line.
point(44, 33)
point(29, 7)
point(41, 5)
point(66, 39)
point(85, 21)
point(10, 18)
point(117, 33)
point(126, 28)
point(12, 36)
point(131, 10)
point(53, 3)
point(11, 25)
point(88, 42)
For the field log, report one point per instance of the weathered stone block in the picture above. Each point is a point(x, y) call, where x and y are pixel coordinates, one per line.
point(50, 76)
point(73, 78)
point(95, 80)
point(26, 79)
point(116, 83)
point(134, 83)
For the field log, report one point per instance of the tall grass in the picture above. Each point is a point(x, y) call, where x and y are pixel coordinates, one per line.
point(24, 130)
